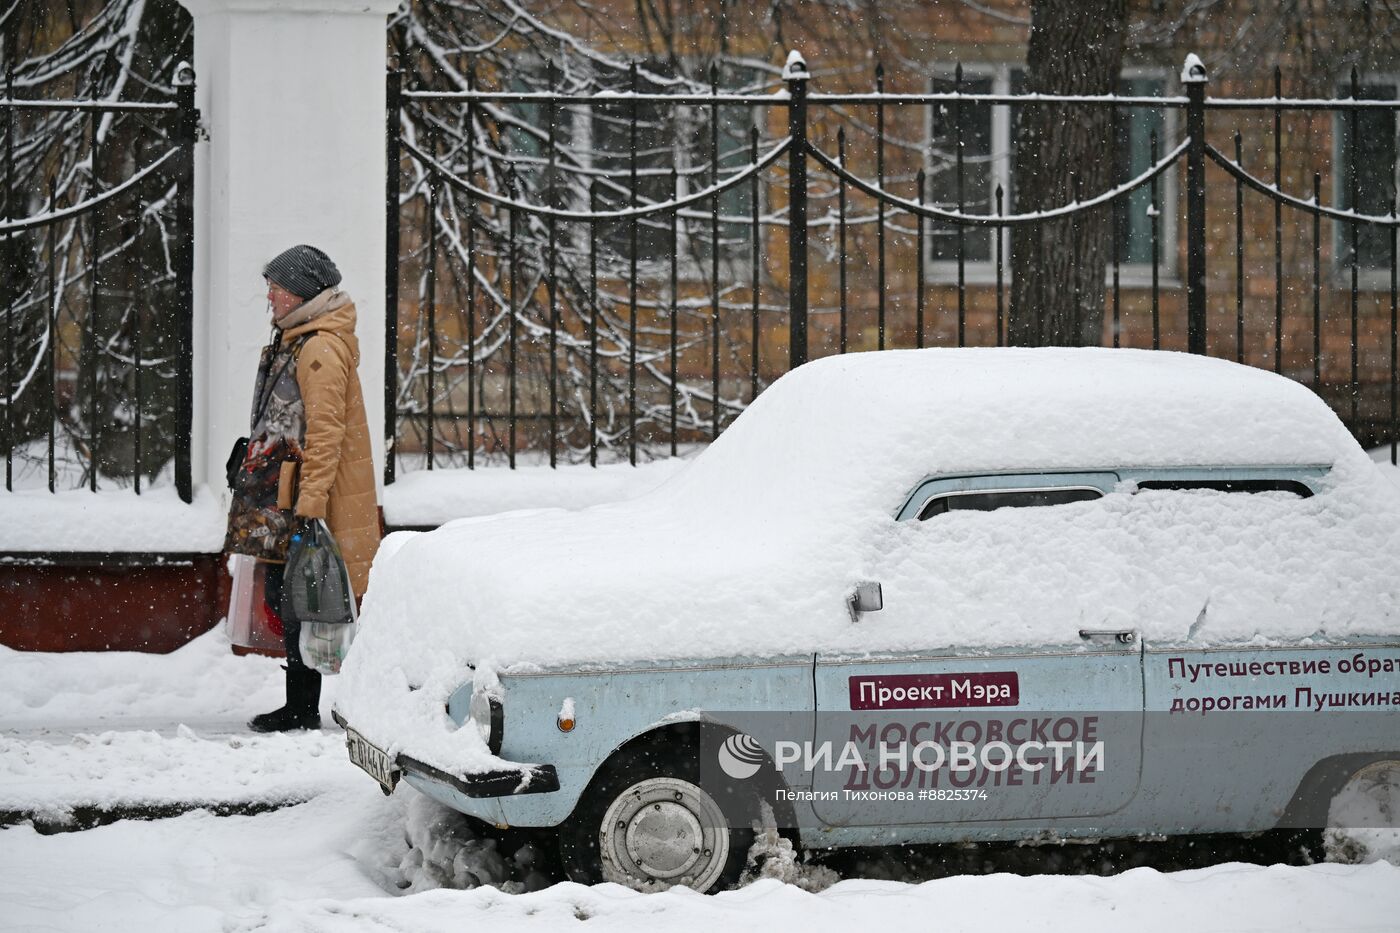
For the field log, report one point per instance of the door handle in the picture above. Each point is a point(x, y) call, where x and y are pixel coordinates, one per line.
point(1122, 636)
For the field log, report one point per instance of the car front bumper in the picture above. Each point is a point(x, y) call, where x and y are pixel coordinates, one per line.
point(503, 782)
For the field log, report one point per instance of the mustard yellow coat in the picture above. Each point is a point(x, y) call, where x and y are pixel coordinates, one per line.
point(337, 473)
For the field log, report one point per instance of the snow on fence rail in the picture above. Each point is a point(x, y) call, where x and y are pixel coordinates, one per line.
point(565, 296)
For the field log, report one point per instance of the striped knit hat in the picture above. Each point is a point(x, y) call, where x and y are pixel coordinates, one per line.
point(303, 270)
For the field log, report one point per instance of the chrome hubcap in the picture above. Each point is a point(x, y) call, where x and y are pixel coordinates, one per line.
point(662, 832)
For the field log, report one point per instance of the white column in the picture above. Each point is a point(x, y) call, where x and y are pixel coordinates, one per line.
point(291, 96)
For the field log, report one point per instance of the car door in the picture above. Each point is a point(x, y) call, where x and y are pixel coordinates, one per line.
point(1238, 714)
point(1011, 732)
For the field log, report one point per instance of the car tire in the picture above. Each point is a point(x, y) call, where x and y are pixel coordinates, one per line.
point(1363, 821)
point(646, 823)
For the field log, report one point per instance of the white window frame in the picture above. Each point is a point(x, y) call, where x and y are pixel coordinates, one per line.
point(983, 271)
point(1368, 278)
point(687, 269)
point(1139, 274)
point(976, 271)
point(730, 269)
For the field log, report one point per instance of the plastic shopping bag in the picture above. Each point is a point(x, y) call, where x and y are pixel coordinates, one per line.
point(252, 627)
point(324, 644)
point(316, 593)
point(317, 584)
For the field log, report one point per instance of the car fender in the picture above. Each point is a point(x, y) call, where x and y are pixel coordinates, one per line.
point(613, 708)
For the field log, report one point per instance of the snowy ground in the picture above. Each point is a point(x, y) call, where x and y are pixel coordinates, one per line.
point(199, 825)
point(89, 737)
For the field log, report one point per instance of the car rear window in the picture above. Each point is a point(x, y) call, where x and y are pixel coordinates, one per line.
point(1293, 486)
point(988, 499)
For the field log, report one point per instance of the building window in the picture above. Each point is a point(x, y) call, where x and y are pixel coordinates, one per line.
point(989, 158)
point(1375, 160)
point(525, 135)
point(679, 137)
point(985, 165)
point(1132, 157)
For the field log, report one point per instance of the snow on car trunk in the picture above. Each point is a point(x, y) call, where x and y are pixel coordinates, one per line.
point(752, 549)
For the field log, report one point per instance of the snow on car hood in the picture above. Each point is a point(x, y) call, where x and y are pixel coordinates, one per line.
point(751, 550)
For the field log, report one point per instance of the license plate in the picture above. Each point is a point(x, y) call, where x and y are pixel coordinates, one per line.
point(368, 757)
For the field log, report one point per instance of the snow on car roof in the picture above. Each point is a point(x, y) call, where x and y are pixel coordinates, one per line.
point(852, 432)
point(751, 550)
point(979, 409)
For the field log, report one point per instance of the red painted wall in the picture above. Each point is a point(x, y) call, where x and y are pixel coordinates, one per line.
point(106, 603)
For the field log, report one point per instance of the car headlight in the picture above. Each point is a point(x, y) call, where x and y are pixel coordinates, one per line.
point(489, 716)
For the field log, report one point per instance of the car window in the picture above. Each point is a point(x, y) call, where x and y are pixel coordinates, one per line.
point(1293, 486)
point(985, 500)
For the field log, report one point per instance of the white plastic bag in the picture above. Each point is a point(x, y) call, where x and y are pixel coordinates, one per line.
point(325, 644)
point(251, 628)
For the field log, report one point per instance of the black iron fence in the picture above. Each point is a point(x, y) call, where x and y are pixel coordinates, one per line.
point(98, 293)
point(570, 300)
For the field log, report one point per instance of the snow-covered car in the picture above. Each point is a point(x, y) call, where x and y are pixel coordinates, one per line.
point(1092, 593)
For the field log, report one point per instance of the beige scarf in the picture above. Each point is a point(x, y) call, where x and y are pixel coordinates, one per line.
point(324, 303)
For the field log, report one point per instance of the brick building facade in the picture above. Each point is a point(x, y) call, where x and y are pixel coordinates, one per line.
point(921, 47)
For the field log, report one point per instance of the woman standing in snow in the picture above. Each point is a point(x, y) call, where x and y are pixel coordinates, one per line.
point(308, 454)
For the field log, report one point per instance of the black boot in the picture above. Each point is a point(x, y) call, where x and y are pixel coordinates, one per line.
point(307, 709)
point(302, 709)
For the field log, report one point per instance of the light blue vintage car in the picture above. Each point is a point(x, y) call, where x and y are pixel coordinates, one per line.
point(914, 597)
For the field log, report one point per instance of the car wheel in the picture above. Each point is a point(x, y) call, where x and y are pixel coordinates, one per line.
point(645, 822)
point(1363, 822)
